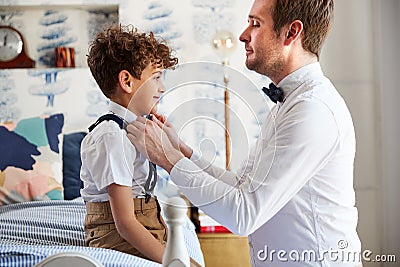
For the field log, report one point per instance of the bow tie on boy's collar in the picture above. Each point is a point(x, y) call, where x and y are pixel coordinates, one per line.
point(274, 93)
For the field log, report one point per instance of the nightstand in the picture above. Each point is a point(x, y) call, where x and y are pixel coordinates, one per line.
point(224, 249)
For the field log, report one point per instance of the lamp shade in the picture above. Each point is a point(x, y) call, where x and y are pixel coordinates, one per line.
point(224, 43)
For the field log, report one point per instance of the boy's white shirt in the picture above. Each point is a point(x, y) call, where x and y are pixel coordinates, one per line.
point(109, 157)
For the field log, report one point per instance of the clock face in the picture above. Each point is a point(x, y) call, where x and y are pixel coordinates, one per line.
point(10, 44)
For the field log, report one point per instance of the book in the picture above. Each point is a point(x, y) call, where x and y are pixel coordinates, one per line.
point(209, 225)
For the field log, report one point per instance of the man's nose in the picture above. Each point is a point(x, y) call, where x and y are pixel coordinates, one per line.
point(245, 36)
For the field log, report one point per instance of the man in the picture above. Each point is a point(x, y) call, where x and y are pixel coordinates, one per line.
point(294, 197)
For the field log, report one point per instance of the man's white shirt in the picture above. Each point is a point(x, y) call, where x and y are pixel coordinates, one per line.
point(294, 195)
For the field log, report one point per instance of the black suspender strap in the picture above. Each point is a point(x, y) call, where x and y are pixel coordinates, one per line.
point(151, 181)
point(107, 117)
point(152, 177)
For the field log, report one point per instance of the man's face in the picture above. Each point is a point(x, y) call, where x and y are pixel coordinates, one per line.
point(149, 89)
point(263, 48)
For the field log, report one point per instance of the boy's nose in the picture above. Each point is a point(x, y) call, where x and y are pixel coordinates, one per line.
point(161, 88)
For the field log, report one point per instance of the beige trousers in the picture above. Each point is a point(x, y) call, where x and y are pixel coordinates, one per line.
point(101, 231)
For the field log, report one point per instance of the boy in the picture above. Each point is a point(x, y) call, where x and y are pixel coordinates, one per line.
point(122, 214)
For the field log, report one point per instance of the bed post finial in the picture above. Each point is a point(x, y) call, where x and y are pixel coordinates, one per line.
point(175, 255)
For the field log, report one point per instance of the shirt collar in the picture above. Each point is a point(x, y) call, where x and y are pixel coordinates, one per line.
point(298, 77)
point(121, 112)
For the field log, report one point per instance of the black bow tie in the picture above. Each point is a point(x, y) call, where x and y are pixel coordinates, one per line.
point(274, 93)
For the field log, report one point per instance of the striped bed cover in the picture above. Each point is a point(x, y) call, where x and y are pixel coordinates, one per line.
point(32, 231)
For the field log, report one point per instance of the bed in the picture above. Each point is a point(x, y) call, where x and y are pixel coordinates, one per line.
point(31, 231)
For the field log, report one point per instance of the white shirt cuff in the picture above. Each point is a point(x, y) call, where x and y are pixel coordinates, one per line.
point(195, 155)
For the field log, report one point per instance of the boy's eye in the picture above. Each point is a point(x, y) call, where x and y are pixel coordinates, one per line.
point(157, 77)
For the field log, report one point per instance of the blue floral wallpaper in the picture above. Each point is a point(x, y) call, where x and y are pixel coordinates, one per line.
point(194, 101)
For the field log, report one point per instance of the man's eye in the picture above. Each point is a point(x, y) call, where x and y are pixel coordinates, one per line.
point(254, 23)
point(157, 77)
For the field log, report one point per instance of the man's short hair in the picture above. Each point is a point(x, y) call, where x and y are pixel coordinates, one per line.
point(316, 16)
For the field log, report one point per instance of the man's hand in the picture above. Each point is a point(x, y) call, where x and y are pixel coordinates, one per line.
point(148, 137)
point(172, 135)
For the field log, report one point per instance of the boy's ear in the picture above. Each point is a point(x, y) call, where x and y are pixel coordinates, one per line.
point(125, 80)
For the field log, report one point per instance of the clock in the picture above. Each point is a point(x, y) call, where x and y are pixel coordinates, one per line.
point(12, 49)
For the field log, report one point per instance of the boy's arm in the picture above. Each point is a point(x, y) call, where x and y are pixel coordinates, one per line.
point(122, 207)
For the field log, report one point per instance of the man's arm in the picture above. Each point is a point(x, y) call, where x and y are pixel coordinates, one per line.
point(228, 177)
point(160, 143)
point(303, 143)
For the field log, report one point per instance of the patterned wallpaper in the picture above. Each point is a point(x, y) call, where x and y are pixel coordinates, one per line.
point(195, 95)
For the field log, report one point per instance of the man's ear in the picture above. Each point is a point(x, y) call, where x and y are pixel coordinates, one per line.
point(294, 31)
point(125, 80)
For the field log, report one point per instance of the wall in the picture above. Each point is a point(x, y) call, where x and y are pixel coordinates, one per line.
point(349, 60)
point(389, 65)
point(362, 59)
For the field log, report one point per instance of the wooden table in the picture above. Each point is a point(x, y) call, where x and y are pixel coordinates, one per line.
point(224, 249)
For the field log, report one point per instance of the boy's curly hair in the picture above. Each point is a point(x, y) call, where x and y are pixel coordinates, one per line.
point(125, 48)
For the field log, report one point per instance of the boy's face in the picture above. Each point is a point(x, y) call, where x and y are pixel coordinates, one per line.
point(147, 91)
